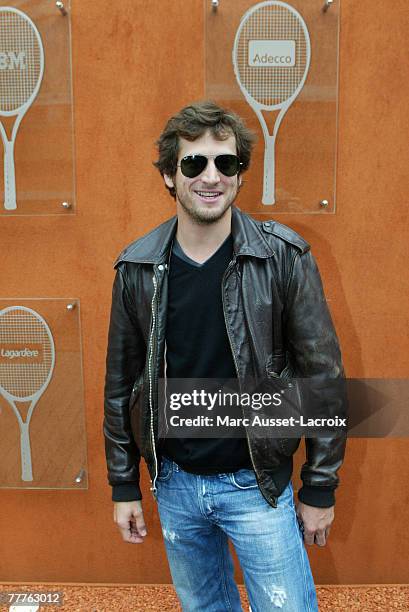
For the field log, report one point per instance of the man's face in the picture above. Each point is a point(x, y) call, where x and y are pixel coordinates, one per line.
point(206, 197)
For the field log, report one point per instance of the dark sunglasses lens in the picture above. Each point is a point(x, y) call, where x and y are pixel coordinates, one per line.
point(193, 165)
point(228, 165)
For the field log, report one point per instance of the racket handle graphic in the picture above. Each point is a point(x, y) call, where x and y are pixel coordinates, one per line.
point(269, 172)
point(10, 202)
point(26, 468)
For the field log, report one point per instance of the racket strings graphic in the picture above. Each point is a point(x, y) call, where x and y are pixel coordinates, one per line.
point(19, 42)
point(278, 84)
point(26, 366)
point(21, 72)
point(271, 87)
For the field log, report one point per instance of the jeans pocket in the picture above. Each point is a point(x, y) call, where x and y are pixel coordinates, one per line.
point(166, 470)
point(244, 479)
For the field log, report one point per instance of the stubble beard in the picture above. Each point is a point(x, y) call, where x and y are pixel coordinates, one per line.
point(205, 217)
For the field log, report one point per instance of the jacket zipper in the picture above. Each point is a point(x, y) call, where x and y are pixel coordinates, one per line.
point(150, 364)
point(230, 267)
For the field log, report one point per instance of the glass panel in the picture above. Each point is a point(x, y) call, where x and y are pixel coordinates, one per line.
point(285, 56)
point(42, 424)
point(35, 88)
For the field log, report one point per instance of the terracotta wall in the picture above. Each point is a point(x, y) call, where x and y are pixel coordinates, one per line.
point(134, 63)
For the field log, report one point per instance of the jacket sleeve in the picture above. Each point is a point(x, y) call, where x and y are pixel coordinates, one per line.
point(314, 349)
point(124, 362)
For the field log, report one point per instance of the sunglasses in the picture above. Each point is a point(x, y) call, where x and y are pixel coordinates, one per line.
point(193, 165)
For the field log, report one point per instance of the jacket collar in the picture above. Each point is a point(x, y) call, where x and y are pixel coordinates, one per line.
point(153, 248)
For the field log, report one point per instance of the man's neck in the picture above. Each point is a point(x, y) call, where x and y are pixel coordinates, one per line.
point(200, 241)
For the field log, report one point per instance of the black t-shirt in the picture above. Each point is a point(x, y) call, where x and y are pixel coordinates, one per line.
point(197, 346)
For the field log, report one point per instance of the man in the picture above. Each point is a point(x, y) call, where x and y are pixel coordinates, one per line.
point(212, 293)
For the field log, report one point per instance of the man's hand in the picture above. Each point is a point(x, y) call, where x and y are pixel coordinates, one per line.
point(316, 523)
point(129, 518)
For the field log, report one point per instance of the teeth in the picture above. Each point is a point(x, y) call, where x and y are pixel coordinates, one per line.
point(208, 194)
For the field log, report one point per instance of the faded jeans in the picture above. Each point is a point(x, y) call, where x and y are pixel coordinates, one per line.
point(199, 513)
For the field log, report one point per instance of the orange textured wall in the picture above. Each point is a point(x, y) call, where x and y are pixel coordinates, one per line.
point(134, 63)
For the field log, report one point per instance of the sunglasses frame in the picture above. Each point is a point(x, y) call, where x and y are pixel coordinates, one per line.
point(207, 157)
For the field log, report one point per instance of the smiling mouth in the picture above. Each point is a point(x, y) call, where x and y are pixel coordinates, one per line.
point(209, 195)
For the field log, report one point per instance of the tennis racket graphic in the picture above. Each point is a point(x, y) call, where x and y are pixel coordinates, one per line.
point(271, 59)
point(27, 358)
point(21, 72)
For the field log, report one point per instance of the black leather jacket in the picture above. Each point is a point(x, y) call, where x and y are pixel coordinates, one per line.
point(271, 263)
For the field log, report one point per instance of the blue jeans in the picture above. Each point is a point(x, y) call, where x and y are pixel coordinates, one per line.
point(199, 513)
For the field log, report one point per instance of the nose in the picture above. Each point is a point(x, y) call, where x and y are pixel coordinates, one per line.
point(210, 174)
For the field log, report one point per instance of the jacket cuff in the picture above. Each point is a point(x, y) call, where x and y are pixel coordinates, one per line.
point(320, 497)
point(129, 491)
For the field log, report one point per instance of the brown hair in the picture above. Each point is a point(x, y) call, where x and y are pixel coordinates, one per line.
point(191, 123)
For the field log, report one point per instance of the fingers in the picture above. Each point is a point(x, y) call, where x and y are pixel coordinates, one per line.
point(314, 523)
point(132, 532)
point(318, 537)
point(312, 536)
point(129, 518)
point(138, 526)
point(309, 536)
point(130, 535)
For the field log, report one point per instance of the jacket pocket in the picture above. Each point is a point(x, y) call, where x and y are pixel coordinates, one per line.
point(275, 365)
point(278, 367)
point(136, 391)
point(136, 413)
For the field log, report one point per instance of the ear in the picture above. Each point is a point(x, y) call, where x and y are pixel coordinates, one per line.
point(168, 180)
